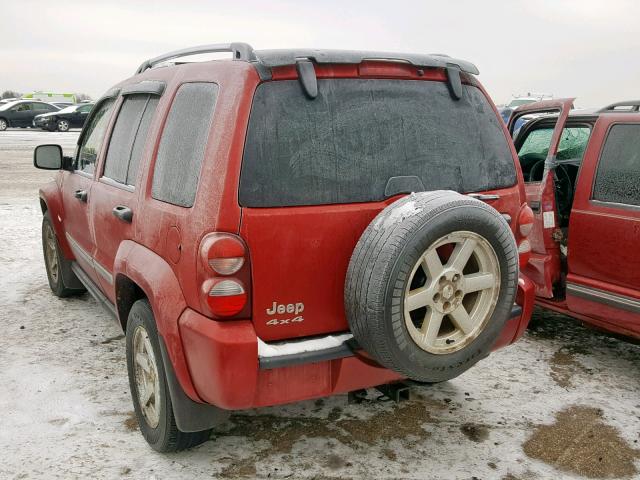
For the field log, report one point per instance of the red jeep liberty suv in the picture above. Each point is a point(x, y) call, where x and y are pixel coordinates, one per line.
point(290, 224)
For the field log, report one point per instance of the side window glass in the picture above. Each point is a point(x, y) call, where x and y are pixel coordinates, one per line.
point(129, 135)
point(92, 137)
point(536, 144)
point(618, 175)
point(141, 138)
point(184, 139)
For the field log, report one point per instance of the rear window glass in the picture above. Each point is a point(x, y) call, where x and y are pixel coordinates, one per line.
point(618, 174)
point(345, 145)
point(184, 139)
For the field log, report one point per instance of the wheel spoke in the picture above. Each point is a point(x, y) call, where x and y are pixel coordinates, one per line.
point(142, 360)
point(148, 393)
point(478, 281)
point(418, 298)
point(461, 254)
point(431, 326)
point(431, 264)
point(461, 319)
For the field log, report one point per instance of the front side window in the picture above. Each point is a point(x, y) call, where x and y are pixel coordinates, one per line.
point(92, 136)
point(572, 143)
point(129, 135)
point(618, 175)
point(348, 143)
point(181, 150)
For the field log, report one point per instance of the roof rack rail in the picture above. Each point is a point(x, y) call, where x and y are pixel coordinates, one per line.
point(241, 51)
point(633, 106)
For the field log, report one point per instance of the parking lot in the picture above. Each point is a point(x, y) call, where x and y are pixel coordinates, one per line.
point(561, 403)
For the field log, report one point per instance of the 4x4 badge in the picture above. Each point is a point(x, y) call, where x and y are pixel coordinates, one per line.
point(281, 308)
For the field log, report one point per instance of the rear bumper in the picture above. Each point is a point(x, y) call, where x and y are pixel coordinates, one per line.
point(232, 369)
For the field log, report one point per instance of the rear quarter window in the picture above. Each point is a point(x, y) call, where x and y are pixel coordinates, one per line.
point(618, 174)
point(345, 145)
point(183, 142)
point(128, 138)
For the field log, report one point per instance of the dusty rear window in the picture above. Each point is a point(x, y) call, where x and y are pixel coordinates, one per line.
point(345, 145)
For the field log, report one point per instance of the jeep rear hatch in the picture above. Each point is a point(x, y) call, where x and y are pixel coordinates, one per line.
point(317, 170)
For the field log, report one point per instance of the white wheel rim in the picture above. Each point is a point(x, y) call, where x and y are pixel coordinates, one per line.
point(446, 306)
point(63, 125)
point(146, 377)
point(3, 124)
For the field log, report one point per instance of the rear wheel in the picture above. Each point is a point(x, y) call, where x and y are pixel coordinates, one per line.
point(63, 125)
point(149, 389)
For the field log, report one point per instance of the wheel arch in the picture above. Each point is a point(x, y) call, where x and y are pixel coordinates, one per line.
point(141, 273)
point(51, 201)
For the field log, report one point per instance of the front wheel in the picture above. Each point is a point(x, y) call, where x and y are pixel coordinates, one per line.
point(148, 384)
point(3, 124)
point(62, 280)
point(63, 125)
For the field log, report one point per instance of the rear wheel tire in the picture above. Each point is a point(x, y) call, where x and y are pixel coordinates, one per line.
point(431, 283)
point(62, 281)
point(148, 384)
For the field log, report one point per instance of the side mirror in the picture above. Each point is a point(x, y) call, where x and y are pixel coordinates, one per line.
point(48, 157)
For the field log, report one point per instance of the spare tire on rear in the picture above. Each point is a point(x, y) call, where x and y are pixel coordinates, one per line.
point(431, 283)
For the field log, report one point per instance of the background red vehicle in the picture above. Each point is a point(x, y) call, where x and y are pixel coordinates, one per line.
point(583, 170)
point(248, 224)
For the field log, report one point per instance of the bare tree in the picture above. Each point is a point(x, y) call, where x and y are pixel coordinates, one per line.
point(10, 94)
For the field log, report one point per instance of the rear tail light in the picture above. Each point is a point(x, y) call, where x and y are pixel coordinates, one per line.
point(225, 253)
point(526, 221)
point(225, 276)
point(226, 297)
point(524, 247)
point(226, 266)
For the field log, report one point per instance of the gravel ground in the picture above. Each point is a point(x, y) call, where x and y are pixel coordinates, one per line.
point(561, 403)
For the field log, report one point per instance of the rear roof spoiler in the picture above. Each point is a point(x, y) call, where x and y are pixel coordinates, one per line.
point(276, 58)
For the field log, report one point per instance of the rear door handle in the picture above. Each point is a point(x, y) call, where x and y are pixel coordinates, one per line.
point(123, 212)
point(81, 195)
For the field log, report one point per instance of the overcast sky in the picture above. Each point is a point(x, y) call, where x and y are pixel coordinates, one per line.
point(584, 48)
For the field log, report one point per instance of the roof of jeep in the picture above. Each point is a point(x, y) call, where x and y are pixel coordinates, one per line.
point(282, 57)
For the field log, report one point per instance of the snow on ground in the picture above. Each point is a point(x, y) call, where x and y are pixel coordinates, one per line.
point(67, 412)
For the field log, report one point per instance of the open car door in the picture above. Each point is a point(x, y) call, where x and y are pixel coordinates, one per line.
point(541, 183)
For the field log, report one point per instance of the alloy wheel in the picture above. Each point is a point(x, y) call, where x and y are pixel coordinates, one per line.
point(452, 291)
point(51, 252)
point(146, 377)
